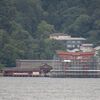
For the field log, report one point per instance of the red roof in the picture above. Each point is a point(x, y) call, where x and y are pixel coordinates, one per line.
point(70, 55)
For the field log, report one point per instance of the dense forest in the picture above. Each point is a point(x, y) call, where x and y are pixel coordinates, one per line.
point(25, 26)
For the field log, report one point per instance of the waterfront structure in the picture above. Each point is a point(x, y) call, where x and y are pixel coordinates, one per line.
point(21, 72)
point(75, 64)
point(65, 64)
point(79, 60)
point(69, 42)
point(30, 68)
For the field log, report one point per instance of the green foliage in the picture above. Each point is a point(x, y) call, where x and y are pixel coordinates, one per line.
point(44, 29)
point(25, 26)
point(2, 66)
point(94, 36)
point(81, 25)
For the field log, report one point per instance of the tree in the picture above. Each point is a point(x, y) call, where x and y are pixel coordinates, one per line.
point(94, 36)
point(81, 25)
point(97, 25)
point(44, 29)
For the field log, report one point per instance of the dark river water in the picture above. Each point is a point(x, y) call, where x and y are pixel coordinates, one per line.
point(28, 88)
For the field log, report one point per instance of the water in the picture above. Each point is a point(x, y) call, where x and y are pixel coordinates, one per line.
point(21, 88)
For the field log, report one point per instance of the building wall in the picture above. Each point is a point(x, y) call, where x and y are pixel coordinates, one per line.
point(72, 44)
point(33, 63)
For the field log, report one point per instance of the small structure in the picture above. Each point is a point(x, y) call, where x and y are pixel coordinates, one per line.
point(97, 50)
point(45, 69)
point(87, 48)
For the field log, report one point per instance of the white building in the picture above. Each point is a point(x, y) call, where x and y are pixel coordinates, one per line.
point(87, 47)
point(59, 36)
point(70, 42)
point(97, 50)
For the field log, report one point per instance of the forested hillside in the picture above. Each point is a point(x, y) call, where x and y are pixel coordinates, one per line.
point(25, 26)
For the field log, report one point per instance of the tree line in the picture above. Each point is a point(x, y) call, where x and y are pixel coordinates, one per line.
point(25, 26)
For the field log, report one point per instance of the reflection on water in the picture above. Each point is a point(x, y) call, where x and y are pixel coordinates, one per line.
point(21, 88)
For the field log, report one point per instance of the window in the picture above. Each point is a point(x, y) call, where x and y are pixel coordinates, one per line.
point(78, 46)
point(78, 41)
point(69, 41)
point(69, 46)
point(73, 46)
point(73, 41)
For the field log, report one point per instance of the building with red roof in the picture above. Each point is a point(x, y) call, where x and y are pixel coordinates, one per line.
point(75, 64)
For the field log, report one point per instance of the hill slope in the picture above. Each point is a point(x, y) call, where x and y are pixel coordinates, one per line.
point(26, 24)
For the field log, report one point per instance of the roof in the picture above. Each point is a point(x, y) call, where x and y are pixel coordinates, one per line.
point(39, 68)
point(70, 55)
point(75, 38)
point(66, 37)
point(74, 53)
point(21, 69)
point(87, 45)
point(33, 63)
point(97, 48)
